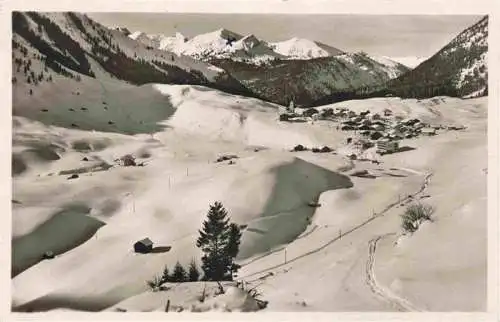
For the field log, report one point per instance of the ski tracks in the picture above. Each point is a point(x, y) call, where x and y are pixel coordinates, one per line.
point(384, 293)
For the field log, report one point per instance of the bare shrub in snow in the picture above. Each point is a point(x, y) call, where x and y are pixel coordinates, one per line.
point(414, 215)
point(155, 283)
point(253, 293)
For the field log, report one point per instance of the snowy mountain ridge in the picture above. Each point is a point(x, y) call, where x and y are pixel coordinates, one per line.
point(223, 43)
point(75, 46)
point(458, 69)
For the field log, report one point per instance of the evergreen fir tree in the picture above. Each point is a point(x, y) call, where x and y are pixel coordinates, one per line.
point(213, 242)
point(194, 273)
point(215, 239)
point(179, 273)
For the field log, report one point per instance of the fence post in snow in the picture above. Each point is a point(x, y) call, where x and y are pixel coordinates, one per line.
point(285, 255)
point(133, 202)
point(168, 305)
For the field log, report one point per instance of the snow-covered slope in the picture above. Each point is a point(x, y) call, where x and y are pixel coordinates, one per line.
point(458, 69)
point(108, 207)
point(236, 124)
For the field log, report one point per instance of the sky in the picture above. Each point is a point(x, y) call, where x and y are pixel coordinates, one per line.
point(397, 36)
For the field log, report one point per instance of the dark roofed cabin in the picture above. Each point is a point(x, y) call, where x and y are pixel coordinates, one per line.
point(143, 246)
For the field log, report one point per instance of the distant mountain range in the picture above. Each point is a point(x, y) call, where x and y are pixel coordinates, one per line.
point(311, 69)
point(224, 43)
point(73, 46)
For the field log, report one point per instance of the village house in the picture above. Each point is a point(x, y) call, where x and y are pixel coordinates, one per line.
point(385, 146)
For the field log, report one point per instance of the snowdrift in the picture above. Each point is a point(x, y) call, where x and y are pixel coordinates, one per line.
point(186, 297)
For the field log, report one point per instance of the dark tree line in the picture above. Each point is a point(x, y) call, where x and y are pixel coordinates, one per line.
point(180, 274)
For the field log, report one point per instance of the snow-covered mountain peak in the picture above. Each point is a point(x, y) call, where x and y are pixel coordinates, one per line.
point(217, 35)
point(299, 48)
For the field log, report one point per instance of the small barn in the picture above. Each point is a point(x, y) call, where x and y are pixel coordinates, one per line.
point(310, 112)
point(143, 246)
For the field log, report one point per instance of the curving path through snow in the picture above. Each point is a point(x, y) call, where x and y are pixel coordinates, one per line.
point(384, 293)
point(381, 291)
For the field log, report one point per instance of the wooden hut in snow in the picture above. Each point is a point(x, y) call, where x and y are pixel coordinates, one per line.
point(143, 246)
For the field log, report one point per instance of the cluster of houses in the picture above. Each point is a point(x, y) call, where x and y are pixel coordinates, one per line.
point(386, 130)
point(383, 129)
point(375, 126)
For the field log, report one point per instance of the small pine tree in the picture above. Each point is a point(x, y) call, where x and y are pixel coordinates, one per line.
point(179, 274)
point(166, 275)
point(194, 273)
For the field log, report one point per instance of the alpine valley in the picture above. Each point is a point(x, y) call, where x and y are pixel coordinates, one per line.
point(333, 180)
